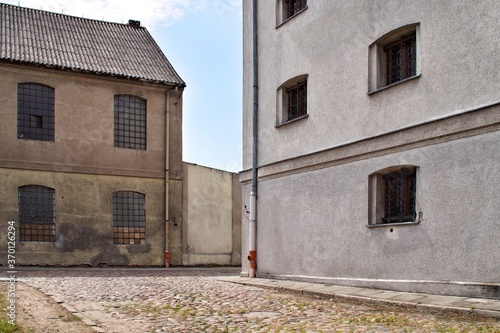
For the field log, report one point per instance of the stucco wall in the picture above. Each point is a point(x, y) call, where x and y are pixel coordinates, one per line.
point(314, 224)
point(459, 53)
point(312, 203)
point(84, 167)
point(211, 232)
point(84, 219)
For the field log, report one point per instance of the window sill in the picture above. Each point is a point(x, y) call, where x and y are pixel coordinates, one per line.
point(394, 84)
point(391, 224)
point(292, 121)
point(291, 17)
point(28, 139)
point(131, 148)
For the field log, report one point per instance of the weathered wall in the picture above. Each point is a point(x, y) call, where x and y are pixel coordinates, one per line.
point(175, 202)
point(84, 167)
point(84, 219)
point(175, 221)
point(84, 140)
point(211, 231)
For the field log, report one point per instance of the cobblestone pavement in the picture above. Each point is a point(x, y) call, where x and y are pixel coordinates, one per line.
point(137, 301)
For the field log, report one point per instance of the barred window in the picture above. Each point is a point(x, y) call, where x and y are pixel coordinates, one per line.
point(286, 9)
point(35, 112)
point(129, 218)
point(394, 58)
point(399, 196)
point(37, 213)
point(291, 100)
point(293, 7)
point(297, 100)
point(401, 58)
point(393, 196)
point(130, 122)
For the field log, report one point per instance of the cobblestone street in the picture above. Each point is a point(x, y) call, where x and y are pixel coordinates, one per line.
point(190, 300)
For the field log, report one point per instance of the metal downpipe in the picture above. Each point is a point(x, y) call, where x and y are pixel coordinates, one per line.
point(252, 253)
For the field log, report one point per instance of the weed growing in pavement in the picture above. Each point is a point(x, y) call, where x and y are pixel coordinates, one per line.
point(71, 318)
point(5, 326)
point(302, 305)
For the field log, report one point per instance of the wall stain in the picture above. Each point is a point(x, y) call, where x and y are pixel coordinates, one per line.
point(77, 238)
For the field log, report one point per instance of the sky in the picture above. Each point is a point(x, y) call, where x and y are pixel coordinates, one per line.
point(202, 39)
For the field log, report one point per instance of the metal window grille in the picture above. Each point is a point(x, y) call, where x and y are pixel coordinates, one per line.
point(35, 112)
point(130, 122)
point(37, 213)
point(400, 195)
point(401, 59)
point(292, 7)
point(297, 100)
point(129, 218)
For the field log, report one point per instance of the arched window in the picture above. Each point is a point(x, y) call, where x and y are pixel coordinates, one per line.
point(393, 195)
point(394, 57)
point(129, 218)
point(292, 100)
point(35, 112)
point(130, 122)
point(37, 213)
point(286, 9)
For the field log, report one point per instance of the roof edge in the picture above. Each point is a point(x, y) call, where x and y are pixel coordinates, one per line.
point(83, 71)
point(71, 16)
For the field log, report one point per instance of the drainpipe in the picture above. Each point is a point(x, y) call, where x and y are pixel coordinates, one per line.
point(252, 254)
point(167, 173)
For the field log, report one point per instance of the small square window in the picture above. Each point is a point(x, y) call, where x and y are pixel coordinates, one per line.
point(393, 196)
point(297, 101)
point(293, 7)
point(292, 100)
point(287, 9)
point(35, 121)
point(399, 196)
point(393, 58)
point(401, 59)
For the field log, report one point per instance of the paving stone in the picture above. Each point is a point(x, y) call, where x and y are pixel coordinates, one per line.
point(69, 308)
point(195, 301)
point(408, 297)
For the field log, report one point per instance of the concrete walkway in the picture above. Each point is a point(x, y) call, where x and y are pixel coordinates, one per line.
point(476, 306)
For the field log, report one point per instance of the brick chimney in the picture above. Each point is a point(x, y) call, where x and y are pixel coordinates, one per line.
point(134, 23)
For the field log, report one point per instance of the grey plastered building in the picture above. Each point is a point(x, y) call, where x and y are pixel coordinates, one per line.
point(91, 140)
point(378, 143)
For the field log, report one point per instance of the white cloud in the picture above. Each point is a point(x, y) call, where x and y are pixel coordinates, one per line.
point(151, 13)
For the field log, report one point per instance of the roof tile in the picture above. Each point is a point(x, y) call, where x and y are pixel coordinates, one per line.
point(83, 45)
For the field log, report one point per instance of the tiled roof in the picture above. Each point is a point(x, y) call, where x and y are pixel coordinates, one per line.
point(71, 43)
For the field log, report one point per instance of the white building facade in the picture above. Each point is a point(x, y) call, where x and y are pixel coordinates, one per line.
point(378, 143)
